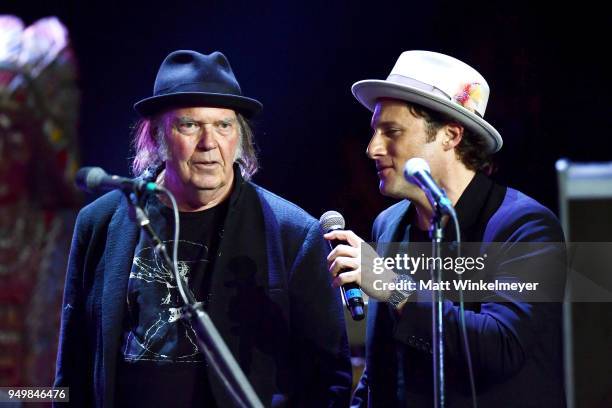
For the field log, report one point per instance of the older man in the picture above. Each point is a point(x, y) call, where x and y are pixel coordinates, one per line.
point(253, 259)
point(432, 106)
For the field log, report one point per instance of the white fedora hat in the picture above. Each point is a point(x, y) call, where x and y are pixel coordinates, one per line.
point(438, 82)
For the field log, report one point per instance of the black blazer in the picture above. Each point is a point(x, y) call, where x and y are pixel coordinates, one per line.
point(274, 304)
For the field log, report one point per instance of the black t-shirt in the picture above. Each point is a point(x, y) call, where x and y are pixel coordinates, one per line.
point(159, 360)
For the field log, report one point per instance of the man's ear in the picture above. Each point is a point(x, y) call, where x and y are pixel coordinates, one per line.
point(453, 134)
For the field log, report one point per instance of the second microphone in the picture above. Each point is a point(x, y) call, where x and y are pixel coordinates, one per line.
point(333, 221)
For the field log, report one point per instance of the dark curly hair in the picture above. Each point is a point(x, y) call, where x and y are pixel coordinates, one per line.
point(472, 150)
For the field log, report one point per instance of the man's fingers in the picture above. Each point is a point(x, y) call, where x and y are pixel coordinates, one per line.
point(343, 263)
point(344, 235)
point(346, 277)
point(342, 250)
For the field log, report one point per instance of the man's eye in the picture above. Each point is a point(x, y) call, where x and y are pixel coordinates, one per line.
point(392, 132)
point(188, 126)
point(225, 125)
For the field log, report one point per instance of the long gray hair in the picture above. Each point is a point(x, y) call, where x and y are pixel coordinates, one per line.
point(151, 150)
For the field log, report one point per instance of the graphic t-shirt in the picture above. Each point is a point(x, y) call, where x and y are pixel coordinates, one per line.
point(159, 360)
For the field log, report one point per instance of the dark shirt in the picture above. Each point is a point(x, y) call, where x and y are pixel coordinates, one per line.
point(159, 360)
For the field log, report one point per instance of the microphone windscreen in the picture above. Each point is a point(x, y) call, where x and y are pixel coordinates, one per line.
point(332, 220)
point(415, 165)
point(89, 178)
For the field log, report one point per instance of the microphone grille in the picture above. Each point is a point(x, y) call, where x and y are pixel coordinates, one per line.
point(89, 178)
point(415, 165)
point(331, 220)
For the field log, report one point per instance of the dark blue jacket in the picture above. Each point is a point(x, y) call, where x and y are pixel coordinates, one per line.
point(275, 307)
point(516, 346)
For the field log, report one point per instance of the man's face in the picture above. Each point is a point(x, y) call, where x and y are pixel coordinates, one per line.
point(202, 146)
point(399, 136)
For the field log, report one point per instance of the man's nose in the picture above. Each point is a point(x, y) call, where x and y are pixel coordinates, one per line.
point(376, 146)
point(207, 138)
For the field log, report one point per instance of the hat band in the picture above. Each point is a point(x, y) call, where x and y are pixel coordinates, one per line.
point(204, 87)
point(402, 80)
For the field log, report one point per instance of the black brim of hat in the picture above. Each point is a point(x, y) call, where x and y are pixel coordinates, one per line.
point(156, 104)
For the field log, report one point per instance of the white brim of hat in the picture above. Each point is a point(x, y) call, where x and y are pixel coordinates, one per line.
point(369, 91)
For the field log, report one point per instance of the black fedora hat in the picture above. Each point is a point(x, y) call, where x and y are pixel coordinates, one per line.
point(187, 78)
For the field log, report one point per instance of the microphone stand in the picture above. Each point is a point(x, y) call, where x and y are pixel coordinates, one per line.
point(208, 338)
point(436, 234)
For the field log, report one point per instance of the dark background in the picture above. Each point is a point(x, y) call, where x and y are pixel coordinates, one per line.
point(544, 64)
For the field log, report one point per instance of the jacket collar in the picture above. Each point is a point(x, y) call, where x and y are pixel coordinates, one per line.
point(475, 206)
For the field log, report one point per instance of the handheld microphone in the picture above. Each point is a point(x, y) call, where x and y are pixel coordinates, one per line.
point(333, 221)
point(94, 179)
point(417, 171)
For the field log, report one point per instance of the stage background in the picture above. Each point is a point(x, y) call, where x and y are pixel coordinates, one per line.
point(545, 65)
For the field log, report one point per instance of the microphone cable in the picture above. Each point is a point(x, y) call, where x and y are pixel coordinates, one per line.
point(466, 346)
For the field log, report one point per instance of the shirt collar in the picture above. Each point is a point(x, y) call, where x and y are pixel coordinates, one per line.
point(469, 208)
point(472, 201)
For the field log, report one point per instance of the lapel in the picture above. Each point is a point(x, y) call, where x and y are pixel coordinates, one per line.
point(240, 273)
point(395, 231)
point(240, 304)
point(120, 244)
point(389, 234)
